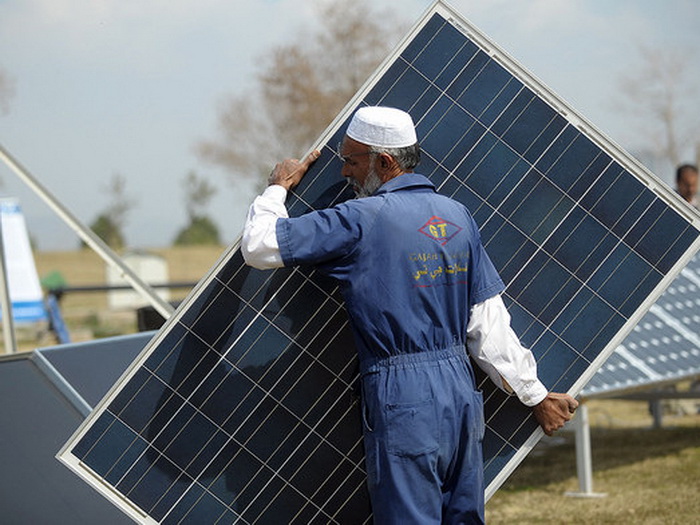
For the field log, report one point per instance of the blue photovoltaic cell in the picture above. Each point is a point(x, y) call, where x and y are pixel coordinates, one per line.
point(243, 407)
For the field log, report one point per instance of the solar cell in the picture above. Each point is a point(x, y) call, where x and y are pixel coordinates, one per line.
point(242, 408)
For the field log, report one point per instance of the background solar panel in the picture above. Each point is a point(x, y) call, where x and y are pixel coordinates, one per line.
point(84, 372)
point(36, 420)
point(664, 347)
point(242, 406)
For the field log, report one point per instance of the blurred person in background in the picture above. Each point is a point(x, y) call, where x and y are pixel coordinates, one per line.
point(687, 183)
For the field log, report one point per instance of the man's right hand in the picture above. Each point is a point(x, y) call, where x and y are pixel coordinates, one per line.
point(554, 410)
point(289, 172)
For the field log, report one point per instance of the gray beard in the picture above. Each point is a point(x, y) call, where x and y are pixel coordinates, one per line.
point(372, 184)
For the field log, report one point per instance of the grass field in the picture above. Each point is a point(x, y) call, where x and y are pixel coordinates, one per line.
point(87, 314)
point(649, 475)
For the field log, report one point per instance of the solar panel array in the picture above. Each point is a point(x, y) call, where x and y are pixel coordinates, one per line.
point(243, 408)
point(664, 347)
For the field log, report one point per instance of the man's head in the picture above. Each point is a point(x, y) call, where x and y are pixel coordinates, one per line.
point(380, 144)
point(687, 181)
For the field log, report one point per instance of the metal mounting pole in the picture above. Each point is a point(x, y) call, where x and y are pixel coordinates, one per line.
point(87, 235)
point(584, 462)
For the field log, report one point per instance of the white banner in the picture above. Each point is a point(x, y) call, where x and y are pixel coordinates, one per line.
point(25, 290)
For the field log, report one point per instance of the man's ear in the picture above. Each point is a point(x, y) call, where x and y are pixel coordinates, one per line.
point(386, 166)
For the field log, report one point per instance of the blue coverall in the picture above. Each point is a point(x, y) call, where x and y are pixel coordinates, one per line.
point(411, 265)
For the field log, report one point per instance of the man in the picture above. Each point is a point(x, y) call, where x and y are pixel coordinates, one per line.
point(418, 286)
point(687, 183)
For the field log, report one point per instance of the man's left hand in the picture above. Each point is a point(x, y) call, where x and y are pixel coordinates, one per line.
point(554, 411)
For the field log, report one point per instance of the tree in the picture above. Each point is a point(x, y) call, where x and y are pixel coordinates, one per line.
point(661, 103)
point(109, 225)
point(7, 91)
point(201, 229)
point(107, 230)
point(301, 87)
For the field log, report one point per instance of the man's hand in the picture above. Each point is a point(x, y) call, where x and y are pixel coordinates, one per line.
point(554, 410)
point(289, 172)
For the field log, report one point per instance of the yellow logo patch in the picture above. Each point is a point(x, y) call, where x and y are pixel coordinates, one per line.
point(439, 229)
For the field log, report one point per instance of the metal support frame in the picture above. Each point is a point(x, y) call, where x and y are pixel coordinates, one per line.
point(584, 467)
point(88, 236)
point(655, 398)
point(657, 412)
point(584, 463)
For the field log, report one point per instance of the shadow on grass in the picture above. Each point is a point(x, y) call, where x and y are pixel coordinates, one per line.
point(554, 459)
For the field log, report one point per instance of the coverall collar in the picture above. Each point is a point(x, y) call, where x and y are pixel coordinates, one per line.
point(404, 181)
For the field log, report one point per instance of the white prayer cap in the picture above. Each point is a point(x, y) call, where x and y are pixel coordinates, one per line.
point(383, 127)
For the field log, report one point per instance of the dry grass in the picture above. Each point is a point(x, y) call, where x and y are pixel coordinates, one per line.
point(87, 314)
point(85, 267)
point(648, 475)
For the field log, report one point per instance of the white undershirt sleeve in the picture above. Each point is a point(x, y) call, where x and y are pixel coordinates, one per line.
point(493, 345)
point(259, 242)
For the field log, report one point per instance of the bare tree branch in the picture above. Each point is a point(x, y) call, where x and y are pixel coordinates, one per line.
point(300, 89)
point(7, 91)
point(121, 203)
point(198, 194)
point(660, 101)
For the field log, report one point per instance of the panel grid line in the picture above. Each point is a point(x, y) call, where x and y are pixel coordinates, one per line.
point(197, 410)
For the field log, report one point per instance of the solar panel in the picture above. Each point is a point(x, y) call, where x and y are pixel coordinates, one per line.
point(36, 420)
point(242, 408)
point(85, 371)
point(664, 346)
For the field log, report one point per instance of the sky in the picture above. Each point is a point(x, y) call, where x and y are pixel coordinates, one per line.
point(128, 88)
